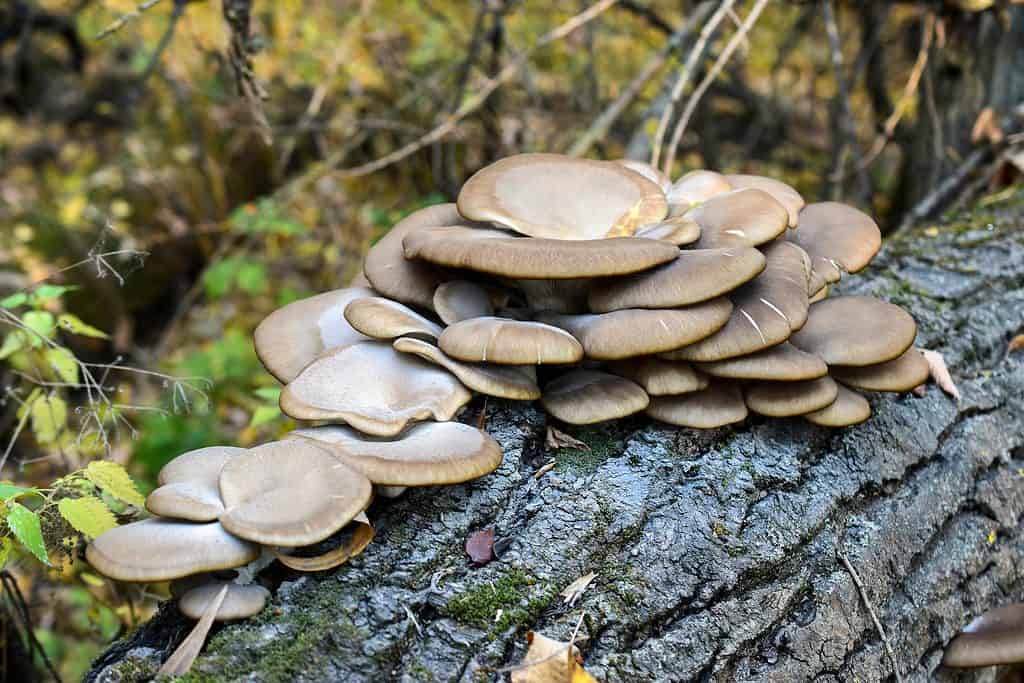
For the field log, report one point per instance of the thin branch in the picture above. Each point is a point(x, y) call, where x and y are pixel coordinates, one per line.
point(874, 617)
point(165, 40)
point(122, 20)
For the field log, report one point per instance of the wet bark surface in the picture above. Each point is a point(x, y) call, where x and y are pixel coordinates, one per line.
point(717, 553)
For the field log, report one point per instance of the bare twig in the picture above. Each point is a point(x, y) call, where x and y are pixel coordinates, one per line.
point(237, 16)
point(874, 617)
point(122, 20)
point(165, 40)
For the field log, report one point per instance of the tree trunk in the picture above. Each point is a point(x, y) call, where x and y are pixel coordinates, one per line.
point(718, 554)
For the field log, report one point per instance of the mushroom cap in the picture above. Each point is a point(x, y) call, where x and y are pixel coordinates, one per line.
point(560, 296)
point(374, 388)
point(459, 300)
point(493, 380)
point(647, 171)
point(786, 399)
point(499, 253)
point(719, 404)
point(837, 237)
point(293, 336)
point(784, 363)
point(159, 549)
point(509, 342)
point(993, 638)
point(660, 377)
point(188, 485)
point(426, 454)
point(816, 294)
point(899, 374)
point(749, 217)
point(562, 198)
point(640, 331)
point(697, 187)
point(849, 408)
point(239, 603)
point(678, 230)
point(783, 193)
point(382, 318)
point(587, 396)
point(766, 310)
point(290, 493)
point(856, 330)
point(696, 275)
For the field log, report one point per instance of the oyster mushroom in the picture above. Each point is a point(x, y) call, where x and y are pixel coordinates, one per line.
point(780, 191)
point(696, 187)
point(849, 408)
point(509, 342)
point(993, 638)
point(838, 238)
point(589, 396)
point(899, 374)
point(787, 399)
point(518, 383)
point(660, 377)
point(741, 217)
point(239, 602)
point(188, 485)
point(784, 362)
point(719, 404)
point(460, 300)
point(856, 330)
point(382, 318)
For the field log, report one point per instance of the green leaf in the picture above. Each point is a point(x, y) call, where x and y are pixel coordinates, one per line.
point(24, 524)
point(63, 363)
point(49, 292)
point(269, 394)
point(263, 415)
point(87, 515)
point(114, 479)
point(40, 322)
point(14, 300)
point(74, 325)
point(49, 414)
point(5, 550)
point(10, 491)
point(14, 341)
point(252, 278)
point(218, 278)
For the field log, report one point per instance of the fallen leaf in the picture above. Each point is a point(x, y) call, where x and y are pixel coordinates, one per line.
point(1016, 344)
point(556, 439)
point(940, 373)
point(544, 470)
point(575, 589)
point(550, 661)
point(480, 547)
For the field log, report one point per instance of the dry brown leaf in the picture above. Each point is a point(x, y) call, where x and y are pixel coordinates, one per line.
point(550, 661)
point(480, 547)
point(575, 589)
point(1016, 344)
point(556, 439)
point(987, 128)
point(940, 373)
point(181, 660)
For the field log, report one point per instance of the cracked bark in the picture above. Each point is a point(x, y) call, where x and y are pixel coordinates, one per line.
point(715, 552)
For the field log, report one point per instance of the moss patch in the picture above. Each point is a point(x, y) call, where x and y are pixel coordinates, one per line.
point(519, 596)
point(604, 441)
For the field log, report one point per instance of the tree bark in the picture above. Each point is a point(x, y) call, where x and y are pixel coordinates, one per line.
point(717, 554)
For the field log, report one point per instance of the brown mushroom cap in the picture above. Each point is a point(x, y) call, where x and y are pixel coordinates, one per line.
point(588, 396)
point(647, 171)
point(239, 603)
point(188, 485)
point(512, 382)
point(560, 296)
point(783, 193)
point(697, 187)
point(640, 331)
point(459, 300)
point(993, 638)
point(660, 377)
point(498, 253)
point(749, 217)
point(784, 363)
point(293, 336)
point(696, 275)
point(509, 342)
point(562, 198)
point(849, 408)
point(426, 454)
point(786, 399)
point(720, 404)
point(856, 330)
point(899, 374)
point(837, 237)
point(678, 230)
point(159, 549)
point(382, 318)
point(290, 493)
point(374, 388)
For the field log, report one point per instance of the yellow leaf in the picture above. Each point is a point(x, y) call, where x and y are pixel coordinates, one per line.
point(5, 550)
point(74, 325)
point(113, 479)
point(49, 414)
point(63, 364)
point(550, 661)
point(87, 515)
point(73, 209)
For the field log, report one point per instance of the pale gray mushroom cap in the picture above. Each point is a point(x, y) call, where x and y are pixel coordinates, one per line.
point(720, 404)
point(741, 217)
point(459, 300)
point(290, 493)
point(783, 193)
point(993, 638)
point(562, 198)
point(660, 377)
point(240, 602)
point(899, 374)
point(426, 454)
point(159, 549)
point(697, 187)
point(838, 238)
point(374, 388)
point(787, 399)
point(589, 396)
point(678, 230)
point(784, 363)
point(293, 336)
point(498, 253)
point(849, 408)
point(509, 342)
point(640, 331)
point(382, 318)
point(856, 330)
point(504, 381)
point(696, 275)
point(188, 485)
point(647, 171)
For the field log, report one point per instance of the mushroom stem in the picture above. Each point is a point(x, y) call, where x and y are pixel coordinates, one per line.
point(181, 659)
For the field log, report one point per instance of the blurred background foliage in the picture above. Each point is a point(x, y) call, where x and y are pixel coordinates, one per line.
point(153, 207)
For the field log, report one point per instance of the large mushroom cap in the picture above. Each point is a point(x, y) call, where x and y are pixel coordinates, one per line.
point(660, 377)
point(786, 399)
point(856, 330)
point(993, 638)
point(784, 362)
point(509, 342)
point(720, 404)
point(382, 318)
point(374, 388)
point(461, 300)
point(426, 454)
point(493, 380)
point(642, 332)
point(837, 237)
point(498, 253)
point(849, 408)
point(293, 336)
point(678, 230)
point(188, 485)
point(290, 493)
point(161, 550)
point(558, 197)
point(647, 171)
point(588, 396)
point(696, 275)
point(783, 193)
point(747, 217)
point(240, 601)
point(697, 187)
point(900, 374)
